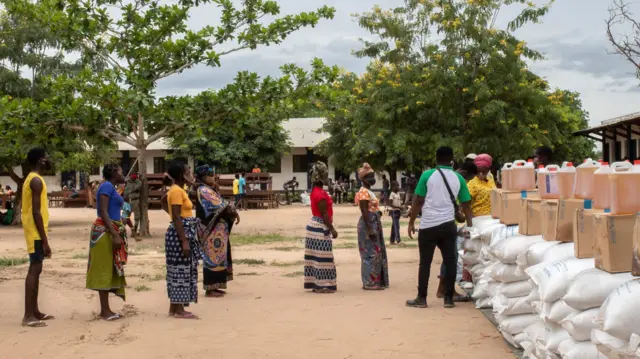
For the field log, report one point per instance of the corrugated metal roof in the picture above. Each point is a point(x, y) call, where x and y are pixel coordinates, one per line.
point(302, 132)
point(606, 124)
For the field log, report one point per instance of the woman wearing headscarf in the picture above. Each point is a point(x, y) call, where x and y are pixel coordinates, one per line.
point(373, 253)
point(319, 267)
point(480, 187)
point(216, 218)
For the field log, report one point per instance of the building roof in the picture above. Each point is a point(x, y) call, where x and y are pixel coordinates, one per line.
point(607, 127)
point(302, 133)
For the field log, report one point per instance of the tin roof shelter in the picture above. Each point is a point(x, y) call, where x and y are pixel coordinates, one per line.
point(619, 137)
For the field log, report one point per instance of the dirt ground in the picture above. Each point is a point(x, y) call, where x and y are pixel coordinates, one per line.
point(266, 313)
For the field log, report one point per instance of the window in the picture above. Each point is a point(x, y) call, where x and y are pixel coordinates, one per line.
point(300, 163)
point(159, 165)
point(95, 171)
point(275, 168)
point(618, 151)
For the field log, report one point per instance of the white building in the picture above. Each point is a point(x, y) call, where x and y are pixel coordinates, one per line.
point(303, 132)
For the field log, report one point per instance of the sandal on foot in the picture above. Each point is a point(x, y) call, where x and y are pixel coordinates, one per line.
point(186, 315)
point(113, 317)
point(34, 324)
point(47, 317)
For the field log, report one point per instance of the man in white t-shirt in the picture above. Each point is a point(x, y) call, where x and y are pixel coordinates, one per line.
point(436, 195)
point(396, 211)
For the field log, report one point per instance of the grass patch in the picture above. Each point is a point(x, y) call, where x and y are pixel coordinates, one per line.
point(294, 274)
point(159, 276)
point(12, 261)
point(247, 273)
point(243, 240)
point(286, 264)
point(286, 249)
point(249, 261)
point(141, 288)
point(80, 256)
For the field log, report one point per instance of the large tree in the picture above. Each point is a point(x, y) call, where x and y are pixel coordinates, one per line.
point(626, 44)
point(144, 42)
point(29, 56)
point(442, 73)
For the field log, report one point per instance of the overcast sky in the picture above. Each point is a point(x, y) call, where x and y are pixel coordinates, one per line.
point(572, 36)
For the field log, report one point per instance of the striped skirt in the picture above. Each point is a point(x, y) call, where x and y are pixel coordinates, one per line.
point(319, 267)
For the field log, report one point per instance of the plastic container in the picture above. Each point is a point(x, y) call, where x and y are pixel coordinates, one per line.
point(523, 176)
point(601, 186)
point(548, 182)
point(566, 180)
point(505, 175)
point(624, 188)
point(584, 179)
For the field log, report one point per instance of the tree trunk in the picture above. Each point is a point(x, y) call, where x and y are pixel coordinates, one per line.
point(144, 192)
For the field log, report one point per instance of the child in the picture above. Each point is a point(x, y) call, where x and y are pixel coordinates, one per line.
point(126, 216)
point(396, 211)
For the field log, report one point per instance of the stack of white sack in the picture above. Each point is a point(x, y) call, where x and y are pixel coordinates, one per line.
point(484, 285)
point(551, 282)
point(510, 306)
point(470, 255)
point(618, 333)
point(585, 295)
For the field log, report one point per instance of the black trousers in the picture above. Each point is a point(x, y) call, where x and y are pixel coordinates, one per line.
point(444, 237)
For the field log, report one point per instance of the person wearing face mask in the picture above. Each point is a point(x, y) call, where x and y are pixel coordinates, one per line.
point(108, 243)
point(182, 248)
point(373, 253)
point(480, 186)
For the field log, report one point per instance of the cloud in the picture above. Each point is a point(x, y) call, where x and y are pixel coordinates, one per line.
point(265, 63)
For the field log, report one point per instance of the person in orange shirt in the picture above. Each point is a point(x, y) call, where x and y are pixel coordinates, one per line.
point(35, 222)
point(256, 169)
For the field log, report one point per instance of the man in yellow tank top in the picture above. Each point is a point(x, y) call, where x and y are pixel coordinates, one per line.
point(35, 222)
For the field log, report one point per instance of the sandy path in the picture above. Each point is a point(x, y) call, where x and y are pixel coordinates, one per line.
point(266, 314)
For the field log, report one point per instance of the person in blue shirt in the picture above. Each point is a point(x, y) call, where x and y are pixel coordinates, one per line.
point(242, 190)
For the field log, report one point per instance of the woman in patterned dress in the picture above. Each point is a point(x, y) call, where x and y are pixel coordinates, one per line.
point(319, 267)
point(182, 249)
point(216, 217)
point(373, 253)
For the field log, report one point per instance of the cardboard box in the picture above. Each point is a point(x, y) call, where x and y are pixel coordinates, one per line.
point(549, 219)
point(614, 242)
point(496, 205)
point(635, 264)
point(566, 214)
point(511, 205)
point(584, 232)
point(530, 217)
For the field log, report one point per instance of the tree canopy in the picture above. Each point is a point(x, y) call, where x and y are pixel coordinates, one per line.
point(441, 73)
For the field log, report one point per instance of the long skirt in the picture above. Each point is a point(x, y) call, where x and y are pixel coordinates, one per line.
point(182, 272)
point(319, 266)
point(218, 265)
point(105, 268)
point(373, 254)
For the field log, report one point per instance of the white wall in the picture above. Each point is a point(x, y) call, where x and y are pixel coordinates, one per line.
point(52, 182)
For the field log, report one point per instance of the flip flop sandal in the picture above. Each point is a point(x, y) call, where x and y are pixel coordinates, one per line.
point(113, 317)
point(186, 316)
point(34, 324)
point(48, 317)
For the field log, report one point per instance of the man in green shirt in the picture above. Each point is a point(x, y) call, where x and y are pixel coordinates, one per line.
point(435, 196)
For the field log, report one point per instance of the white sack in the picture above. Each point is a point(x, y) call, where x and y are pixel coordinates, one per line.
point(553, 278)
point(515, 289)
point(580, 324)
point(534, 254)
point(558, 311)
point(608, 345)
point(485, 288)
point(507, 250)
point(571, 349)
point(507, 273)
point(555, 335)
point(486, 234)
point(483, 303)
point(620, 313)
point(481, 222)
point(472, 245)
point(591, 288)
point(470, 258)
point(517, 323)
point(502, 232)
point(511, 306)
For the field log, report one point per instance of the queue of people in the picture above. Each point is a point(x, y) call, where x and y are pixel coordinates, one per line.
point(442, 199)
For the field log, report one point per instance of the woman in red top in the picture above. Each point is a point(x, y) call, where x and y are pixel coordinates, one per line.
point(319, 267)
